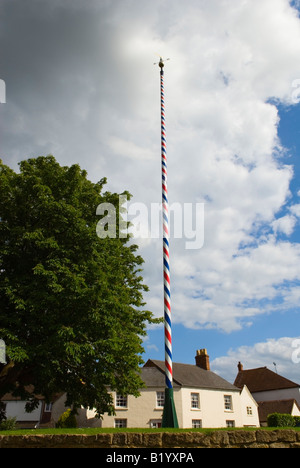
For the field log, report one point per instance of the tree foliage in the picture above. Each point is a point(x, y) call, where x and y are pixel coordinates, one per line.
point(71, 304)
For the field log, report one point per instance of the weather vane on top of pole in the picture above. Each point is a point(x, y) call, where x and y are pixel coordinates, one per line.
point(169, 414)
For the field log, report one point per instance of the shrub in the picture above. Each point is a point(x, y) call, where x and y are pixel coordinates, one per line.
point(2, 411)
point(297, 421)
point(281, 420)
point(67, 419)
point(8, 424)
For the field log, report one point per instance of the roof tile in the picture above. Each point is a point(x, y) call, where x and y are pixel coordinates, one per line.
point(262, 379)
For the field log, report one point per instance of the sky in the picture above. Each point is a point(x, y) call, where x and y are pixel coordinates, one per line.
point(81, 84)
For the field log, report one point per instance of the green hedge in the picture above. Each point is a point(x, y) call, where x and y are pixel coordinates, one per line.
point(283, 420)
point(297, 421)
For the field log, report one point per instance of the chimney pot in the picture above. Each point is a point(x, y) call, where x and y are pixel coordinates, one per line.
point(240, 367)
point(202, 359)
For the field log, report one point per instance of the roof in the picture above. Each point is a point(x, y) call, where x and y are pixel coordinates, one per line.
point(262, 379)
point(30, 389)
point(11, 397)
point(276, 406)
point(184, 375)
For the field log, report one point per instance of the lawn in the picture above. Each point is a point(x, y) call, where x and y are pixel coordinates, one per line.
point(97, 430)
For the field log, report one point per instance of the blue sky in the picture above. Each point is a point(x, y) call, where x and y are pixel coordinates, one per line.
point(89, 94)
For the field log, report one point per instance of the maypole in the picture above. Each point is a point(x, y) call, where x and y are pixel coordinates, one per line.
point(169, 414)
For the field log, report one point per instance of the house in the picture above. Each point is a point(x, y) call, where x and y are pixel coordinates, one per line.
point(277, 406)
point(45, 415)
point(202, 399)
point(273, 392)
point(15, 408)
point(266, 385)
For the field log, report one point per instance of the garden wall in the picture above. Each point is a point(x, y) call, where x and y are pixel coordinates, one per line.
point(158, 440)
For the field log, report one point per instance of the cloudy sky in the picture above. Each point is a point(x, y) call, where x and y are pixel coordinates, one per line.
point(81, 84)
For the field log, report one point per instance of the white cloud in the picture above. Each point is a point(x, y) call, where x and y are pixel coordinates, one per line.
point(286, 225)
point(283, 352)
point(90, 94)
point(226, 151)
point(295, 210)
point(129, 149)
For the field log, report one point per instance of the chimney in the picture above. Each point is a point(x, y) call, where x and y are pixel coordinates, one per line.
point(240, 367)
point(202, 359)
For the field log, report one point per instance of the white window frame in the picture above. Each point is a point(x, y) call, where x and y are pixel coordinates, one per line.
point(121, 401)
point(195, 401)
point(228, 405)
point(155, 423)
point(160, 399)
point(196, 423)
point(230, 423)
point(48, 408)
point(120, 423)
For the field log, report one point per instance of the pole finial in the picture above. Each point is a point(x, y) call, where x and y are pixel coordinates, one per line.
point(161, 62)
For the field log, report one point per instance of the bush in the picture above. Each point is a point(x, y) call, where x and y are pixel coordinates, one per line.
point(67, 419)
point(8, 424)
point(2, 411)
point(281, 420)
point(297, 421)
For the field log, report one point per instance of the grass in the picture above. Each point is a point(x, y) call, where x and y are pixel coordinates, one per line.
point(97, 430)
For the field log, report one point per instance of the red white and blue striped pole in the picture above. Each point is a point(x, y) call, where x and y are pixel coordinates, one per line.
point(166, 255)
point(169, 416)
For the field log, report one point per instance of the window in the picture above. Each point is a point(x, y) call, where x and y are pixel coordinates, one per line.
point(195, 401)
point(121, 401)
point(196, 423)
point(230, 423)
point(155, 423)
point(228, 402)
point(48, 407)
point(120, 422)
point(249, 411)
point(160, 399)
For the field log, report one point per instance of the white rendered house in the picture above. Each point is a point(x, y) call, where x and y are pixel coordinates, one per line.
point(202, 399)
point(272, 392)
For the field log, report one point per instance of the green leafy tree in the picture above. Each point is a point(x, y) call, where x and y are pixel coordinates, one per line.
point(71, 304)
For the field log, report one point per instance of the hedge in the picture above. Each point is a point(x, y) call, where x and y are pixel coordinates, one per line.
point(283, 420)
